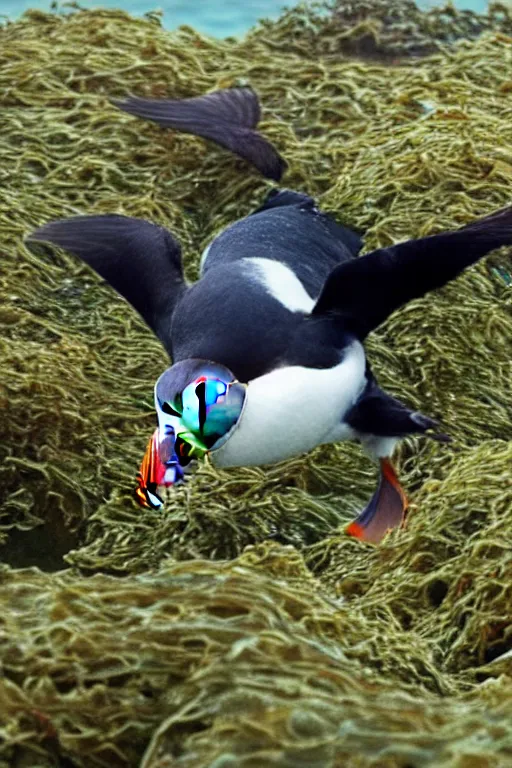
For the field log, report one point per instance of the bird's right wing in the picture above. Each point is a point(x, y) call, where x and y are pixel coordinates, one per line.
point(228, 117)
point(142, 261)
point(367, 289)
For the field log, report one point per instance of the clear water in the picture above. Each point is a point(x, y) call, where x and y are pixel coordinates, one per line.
point(219, 18)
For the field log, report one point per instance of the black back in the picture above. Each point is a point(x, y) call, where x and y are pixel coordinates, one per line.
point(288, 228)
point(230, 316)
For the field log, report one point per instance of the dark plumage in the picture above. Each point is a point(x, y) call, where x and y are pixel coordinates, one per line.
point(227, 118)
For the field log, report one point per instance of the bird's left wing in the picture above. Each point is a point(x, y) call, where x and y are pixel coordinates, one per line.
point(367, 289)
point(142, 261)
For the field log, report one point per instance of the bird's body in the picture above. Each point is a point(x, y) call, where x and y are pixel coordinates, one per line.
point(259, 283)
point(260, 280)
point(267, 347)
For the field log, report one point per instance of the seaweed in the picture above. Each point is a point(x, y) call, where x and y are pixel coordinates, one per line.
point(382, 30)
point(241, 626)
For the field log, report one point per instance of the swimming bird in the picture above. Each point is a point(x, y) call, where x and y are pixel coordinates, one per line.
point(267, 347)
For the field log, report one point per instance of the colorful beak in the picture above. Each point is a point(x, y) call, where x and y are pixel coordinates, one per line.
point(159, 468)
point(385, 511)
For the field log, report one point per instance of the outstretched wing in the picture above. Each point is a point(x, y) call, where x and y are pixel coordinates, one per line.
point(142, 261)
point(226, 117)
point(366, 290)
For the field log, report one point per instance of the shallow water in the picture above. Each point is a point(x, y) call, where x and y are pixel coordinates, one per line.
point(220, 18)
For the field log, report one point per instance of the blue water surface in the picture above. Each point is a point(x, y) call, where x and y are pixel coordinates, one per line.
point(220, 18)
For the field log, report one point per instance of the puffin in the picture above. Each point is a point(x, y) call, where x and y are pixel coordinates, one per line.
point(267, 347)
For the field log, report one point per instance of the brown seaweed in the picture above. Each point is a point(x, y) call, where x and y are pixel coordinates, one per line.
point(241, 627)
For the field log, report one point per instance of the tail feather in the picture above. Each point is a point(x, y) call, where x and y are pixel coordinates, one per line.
point(228, 118)
point(380, 414)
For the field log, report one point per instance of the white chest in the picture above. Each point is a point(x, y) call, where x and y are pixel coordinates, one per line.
point(291, 410)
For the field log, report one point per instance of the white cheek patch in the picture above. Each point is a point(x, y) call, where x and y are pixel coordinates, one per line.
point(281, 283)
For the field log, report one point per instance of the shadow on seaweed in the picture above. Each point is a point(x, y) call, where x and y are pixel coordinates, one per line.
point(43, 546)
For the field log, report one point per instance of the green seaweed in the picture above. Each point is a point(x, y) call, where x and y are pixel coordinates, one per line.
point(240, 626)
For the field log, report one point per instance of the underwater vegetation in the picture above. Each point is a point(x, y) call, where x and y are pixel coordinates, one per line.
point(241, 626)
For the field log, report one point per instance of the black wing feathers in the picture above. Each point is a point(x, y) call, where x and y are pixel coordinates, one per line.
point(142, 261)
point(378, 413)
point(366, 290)
point(226, 117)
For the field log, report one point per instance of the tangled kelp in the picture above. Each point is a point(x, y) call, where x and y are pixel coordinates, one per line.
point(342, 655)
point(383, 29)
point(284, 679)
